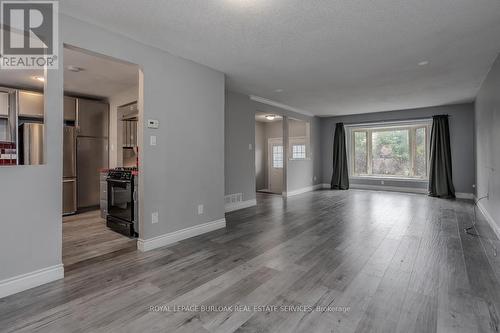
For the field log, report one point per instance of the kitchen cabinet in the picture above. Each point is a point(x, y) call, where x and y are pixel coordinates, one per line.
point(93, 118)
point(4, 104)
point(69, 108)
point(31, 104)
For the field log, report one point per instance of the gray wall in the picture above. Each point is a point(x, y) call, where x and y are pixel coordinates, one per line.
point(185, 169)
point(31, 198)
point(461, 132)
point(488, 142)
point(239, 134)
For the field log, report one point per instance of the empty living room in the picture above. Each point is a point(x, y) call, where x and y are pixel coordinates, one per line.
point(228, 166)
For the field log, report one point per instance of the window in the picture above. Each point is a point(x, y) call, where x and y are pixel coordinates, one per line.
point(390, 151)
point(298, 152)
point(299, 139)
point(277, 157)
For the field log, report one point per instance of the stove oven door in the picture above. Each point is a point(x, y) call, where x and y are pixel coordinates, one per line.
point(120, 199)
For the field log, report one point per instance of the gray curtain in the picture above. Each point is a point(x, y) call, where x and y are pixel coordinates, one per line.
point(340, 177)
point(440, 171)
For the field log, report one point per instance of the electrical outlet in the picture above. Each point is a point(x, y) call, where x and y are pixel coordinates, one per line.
point(154, 217)
point(152, 140)
point(200, 209)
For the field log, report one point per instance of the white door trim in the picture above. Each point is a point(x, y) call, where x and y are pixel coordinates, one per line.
point(270, 143)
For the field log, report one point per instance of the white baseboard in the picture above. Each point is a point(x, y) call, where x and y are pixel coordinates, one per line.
point(489, 219)
point(326, 186)
point(240, 205)
point(389, 188)
point(460, 195)
point(303, 190)
point(179, 235)
point(30, 280)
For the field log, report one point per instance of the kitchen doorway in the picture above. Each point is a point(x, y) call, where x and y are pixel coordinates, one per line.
point(101, 198)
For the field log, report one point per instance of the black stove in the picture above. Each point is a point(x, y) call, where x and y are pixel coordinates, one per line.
point(122, 201)
point(120, 174)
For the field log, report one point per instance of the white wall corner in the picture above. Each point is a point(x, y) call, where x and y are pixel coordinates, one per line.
point(230, 207)
point(30, 280)
point(489, 219)
point(179, 235)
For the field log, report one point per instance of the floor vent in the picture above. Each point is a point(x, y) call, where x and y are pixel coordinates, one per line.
point(234, 198)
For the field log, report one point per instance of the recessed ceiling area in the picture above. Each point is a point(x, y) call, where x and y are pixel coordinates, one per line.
point(85, 74)
point(328, 57)
point(94, 75)
point(22, 79)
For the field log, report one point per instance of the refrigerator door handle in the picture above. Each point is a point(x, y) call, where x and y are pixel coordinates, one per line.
point(77, 116)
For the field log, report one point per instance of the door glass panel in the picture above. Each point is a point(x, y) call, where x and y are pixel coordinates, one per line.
point(278, 156)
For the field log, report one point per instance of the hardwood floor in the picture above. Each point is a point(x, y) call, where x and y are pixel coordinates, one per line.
point(338, 261)
point(86, 239)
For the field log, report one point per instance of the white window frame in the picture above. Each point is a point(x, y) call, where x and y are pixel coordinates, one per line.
point(299, 141)
point(412, 126)
point(299, 154)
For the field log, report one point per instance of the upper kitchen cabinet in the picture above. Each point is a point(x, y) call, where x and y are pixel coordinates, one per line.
point(69, 108)
point(93, 118)
point(31, 104)
point(4, 104)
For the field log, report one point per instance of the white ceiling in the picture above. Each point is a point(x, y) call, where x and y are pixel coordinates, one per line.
point(329, 57)
point(21, 78)
point(101, 76)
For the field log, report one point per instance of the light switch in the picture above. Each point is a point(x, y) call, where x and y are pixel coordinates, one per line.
point(154, 217)
point(200, 209)
point(250, 147)
point(152, 140)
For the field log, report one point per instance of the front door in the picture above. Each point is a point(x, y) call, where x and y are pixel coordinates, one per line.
point(275, 165)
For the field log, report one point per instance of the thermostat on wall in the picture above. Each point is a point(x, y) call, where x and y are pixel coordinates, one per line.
point(152, 123)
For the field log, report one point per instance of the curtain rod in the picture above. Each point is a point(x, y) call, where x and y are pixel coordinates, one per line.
point(391, 121)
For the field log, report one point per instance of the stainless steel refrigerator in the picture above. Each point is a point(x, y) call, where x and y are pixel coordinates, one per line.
point(91, 150)
point(69, 170)
point(31, 144)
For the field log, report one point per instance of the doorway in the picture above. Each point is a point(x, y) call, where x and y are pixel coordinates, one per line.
point(269, 153)
point(100, 100)
point(275, 165)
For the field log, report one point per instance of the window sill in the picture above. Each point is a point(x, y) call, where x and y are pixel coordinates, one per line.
point(404, 179)
point(299, 159)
